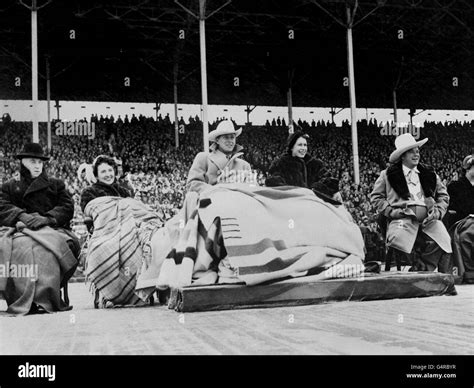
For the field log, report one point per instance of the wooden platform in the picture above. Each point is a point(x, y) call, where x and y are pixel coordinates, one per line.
point(305, 291)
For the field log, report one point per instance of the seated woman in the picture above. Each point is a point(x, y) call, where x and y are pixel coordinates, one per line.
point(123, 237)
point(222, 164)
point(105, 171)
point(461, 194)
point(35, 215)
point(297, 168)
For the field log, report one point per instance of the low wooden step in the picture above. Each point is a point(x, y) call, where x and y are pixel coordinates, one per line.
point(304, 291)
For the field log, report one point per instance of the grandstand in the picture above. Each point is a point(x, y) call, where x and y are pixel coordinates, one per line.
point(159, 179)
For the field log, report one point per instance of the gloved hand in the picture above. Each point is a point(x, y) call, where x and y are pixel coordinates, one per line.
point(396, 214)
point(34, 221)
point(39, 222)
point(433, 215)
point(27, 218)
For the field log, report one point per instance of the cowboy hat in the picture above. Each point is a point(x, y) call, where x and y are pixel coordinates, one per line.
point(224, 128)
point(403, 143)
point(468, 162)
point(32, 150)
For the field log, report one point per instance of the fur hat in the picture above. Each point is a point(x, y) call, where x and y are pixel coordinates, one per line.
point(290, 143)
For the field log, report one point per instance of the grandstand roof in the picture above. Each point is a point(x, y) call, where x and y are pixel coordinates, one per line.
point(247, 39)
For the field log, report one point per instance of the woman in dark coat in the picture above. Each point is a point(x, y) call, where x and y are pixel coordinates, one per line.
point(105, 171)
point(41, 209)
point(297, 168)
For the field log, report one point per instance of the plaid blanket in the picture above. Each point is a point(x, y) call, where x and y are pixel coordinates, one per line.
point(240, 233)
point(119, 247)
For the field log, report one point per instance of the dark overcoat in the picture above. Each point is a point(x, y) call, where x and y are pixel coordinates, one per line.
point(461, 195)
point(44, 195)
point(289, 170)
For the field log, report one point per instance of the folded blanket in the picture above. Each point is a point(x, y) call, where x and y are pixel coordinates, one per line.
point(33, 267)
point(257, 234)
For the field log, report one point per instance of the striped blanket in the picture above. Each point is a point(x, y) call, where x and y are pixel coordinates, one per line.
point(240, 233)
point(119, 247)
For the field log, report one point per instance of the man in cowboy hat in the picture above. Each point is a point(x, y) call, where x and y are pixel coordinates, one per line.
point(222, 164)
point(412, 198)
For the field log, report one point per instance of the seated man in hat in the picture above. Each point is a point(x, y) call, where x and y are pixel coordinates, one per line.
point(461, 191)
point(462, 201)
point(222, 164)
point(414, 200)
point(35, 215)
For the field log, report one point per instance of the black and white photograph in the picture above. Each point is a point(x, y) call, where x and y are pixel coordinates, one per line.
point(237, 178)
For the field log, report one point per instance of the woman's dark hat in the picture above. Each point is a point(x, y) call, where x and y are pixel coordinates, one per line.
point(32, 150)
point(290, 143)
point(326, 188)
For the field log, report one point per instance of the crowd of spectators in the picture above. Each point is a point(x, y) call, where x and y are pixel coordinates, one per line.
point(149, 162)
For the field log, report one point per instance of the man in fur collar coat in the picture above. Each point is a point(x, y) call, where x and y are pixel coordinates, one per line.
point(222, 164)
point(414, 200)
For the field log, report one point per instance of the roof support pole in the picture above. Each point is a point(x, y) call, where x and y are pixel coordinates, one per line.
point(202, 45)
point(395, 118)
point(48, 100)
point(34, 70)
point(352, 97)
point(175, 95)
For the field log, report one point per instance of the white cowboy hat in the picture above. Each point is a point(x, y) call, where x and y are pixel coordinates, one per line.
point(403, 143)
point(224, 128)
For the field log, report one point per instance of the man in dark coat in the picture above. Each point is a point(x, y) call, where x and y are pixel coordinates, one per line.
point(35, 215)
point(36, 199)
point(461, 192)
point(462, 201)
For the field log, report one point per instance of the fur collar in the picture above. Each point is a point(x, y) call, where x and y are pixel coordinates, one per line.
point(397, 180)
point(294, 159)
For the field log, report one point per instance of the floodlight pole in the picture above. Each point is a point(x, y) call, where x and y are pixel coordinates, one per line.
point(395, 119)
point(289, 95)
point(175, 94)
point(202, 40)
point(48, 100)
point(34, 63)
point(352, 97)
point(350, 24)
point(34, 69)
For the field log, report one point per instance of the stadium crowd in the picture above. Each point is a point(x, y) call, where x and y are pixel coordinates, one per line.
point(144, 149)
